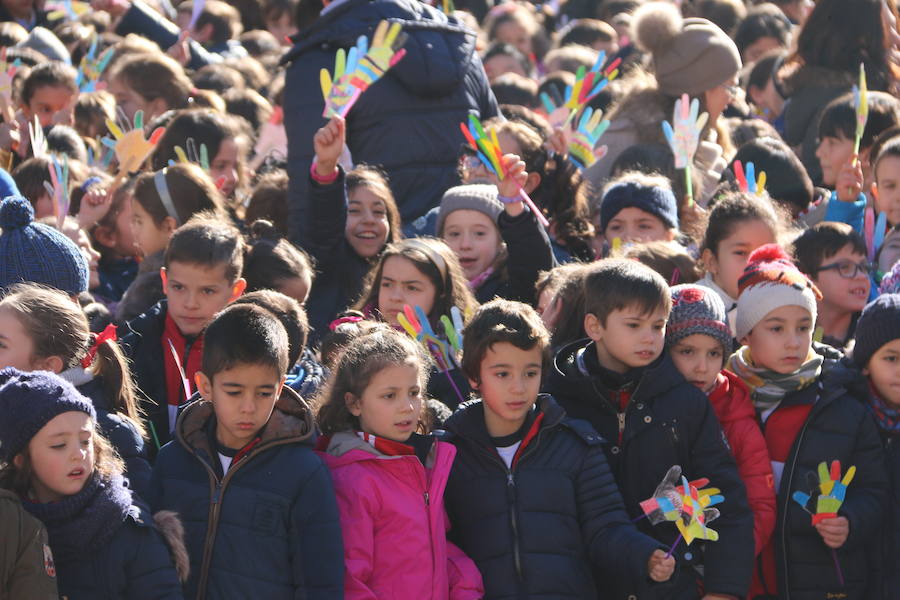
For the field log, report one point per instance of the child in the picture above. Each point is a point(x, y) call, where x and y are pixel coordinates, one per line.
point(148, 81)
point(201, 274)
point(346, 230)
point(624, 384)
point(738, 225)
point(273, 263)
point(498, 241)
point(163, 201)
point(26, 562)
point(638, 208)
point(888, 256)
point(699, 340)
point(384, 462)
point(49, 93)
point(669, 259)
point(257, 503)
point(805, 423)
point(531, 497)
point(833, 256)
point(886, 172)
point(103, 541)
point(113, 237)
point(42, 329)
point(563, 315)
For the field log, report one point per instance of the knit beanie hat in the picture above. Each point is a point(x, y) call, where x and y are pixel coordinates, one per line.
point(690, 56)
point(480, 197)
point(28, 401)
point(878, 324)
point(770, 281)
point(36, 252)
point(696, 309)
point(659, 202)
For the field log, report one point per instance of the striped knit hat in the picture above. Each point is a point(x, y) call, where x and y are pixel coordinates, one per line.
point(770, 281)
point(696, 309)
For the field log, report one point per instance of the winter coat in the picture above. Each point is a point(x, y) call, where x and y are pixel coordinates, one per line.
point(26, 563)
point(116, 275)
point(667, 421)
point(143, 20)
point(269, 528)
point(408, 122)
point(145, 291)
point(394, 524)
point(837, 427)
point(734, 408)
point(339, 269)
point(540, 528)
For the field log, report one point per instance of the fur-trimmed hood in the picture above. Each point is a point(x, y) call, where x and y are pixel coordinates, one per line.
point(172, 531)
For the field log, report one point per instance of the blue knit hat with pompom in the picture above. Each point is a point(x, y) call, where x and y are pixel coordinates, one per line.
point(34, 252)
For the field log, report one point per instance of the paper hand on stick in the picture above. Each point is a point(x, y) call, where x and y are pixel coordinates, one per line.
point(667, 501)
point(92, 67)
point(37, 139)
point(697, 514)
point(683, 134)
point(583, 140)
point(747, 179)
point(131, 147)
point(339, 95)
point(69, 10)
point(385, 52)
point(58, 188)
point(415, 323)
point(861, 99)
point(831, 492)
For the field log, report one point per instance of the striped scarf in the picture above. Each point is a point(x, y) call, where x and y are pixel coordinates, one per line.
point(767, 387)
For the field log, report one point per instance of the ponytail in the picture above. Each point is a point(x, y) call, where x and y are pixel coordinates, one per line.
point(111, 366)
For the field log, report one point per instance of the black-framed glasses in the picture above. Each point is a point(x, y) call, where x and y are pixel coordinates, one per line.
point(849, 269)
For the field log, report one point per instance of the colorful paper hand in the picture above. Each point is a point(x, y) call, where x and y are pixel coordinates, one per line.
point(582, 143)
point(415, 322)
point(58, 188)
point(92, 67)
point(454, 329)
point(36, 138)
point(192, 155)
point(697, 514)
point(747, 179)
point(861, 98)
point(557, 112)
point(131, 147)
point(589, 83)
point(668, 498)
point(339, 95)
point(831, 493)
point(684, 137)
point(69, 10)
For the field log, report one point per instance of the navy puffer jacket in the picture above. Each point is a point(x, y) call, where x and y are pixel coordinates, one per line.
point(537, 530)
point(408, 122)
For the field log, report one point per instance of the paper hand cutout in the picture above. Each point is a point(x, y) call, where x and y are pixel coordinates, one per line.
point(861, 98)
point(747, 180)
point(561, 110)
point(58, 188)
point(684, 135)
point(272, 139)
point(584, 139)
point(192, 155)
point(131, 147)
point(415, 323)
point(454, 329)
point(69, 10)
point(37, 139)
point(667, 503)
point(92, 67)
point(338, 93)
point(697, 514)
point(831, 493)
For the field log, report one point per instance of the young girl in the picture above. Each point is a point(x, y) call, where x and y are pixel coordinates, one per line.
point(273, 263)
point(886, 169)
point(420, 272)
point(148, 81)
point(638, 208)
point(114, 239)
point(699, 341)
point(103, 540)
point(806, 422)
point(43, 330)
point(347, 230)
point(389, 475)
point(163, 201)
point(738, 225)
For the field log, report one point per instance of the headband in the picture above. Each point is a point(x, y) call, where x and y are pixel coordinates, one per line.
point(162, 188)
point(436, 259)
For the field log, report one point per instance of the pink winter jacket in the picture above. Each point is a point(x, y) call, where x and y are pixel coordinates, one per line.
point(394, 525)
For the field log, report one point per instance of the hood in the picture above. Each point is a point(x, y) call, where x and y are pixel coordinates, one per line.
point(438, 47)
point(147, 323)
point(291, 423)
point(731, 399)
point(468, 420)
point(346, 447)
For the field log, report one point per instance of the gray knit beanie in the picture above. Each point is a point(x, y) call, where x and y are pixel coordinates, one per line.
point(696, 309)
point(480, 197)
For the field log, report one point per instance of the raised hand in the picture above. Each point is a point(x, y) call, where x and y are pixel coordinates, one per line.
point(328, 144)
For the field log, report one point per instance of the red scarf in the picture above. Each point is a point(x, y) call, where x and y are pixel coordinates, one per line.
point(386, 446)
point(190, 363)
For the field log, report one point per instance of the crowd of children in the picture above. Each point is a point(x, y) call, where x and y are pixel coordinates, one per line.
point(251, 351)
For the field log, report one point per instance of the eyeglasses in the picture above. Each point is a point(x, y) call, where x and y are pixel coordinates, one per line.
point(731, 89)
point(849, 269)
point(471, 162)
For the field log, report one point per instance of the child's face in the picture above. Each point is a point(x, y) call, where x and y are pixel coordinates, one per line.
point(887, 176)
point(883, 371)
point(728, 262)
point(781, 341)
point(499, 64)
point(131, 102)
point(474, 238)
point(833, 153)
point(43, 207)
point(699, 358)
point(754, 51)
point(631, 338)
point(243, 398)
point(513, 33)
point(125, 244)
point(83, 241)
point(224, 167)
point(367, 225)
point(62, 456)
point(391, 404)
point(148, 237)
point(510, 382)
point(52, 104)
point(196, 293)
point(636, 225)
point(403, 283)
point(16, 346)
point(845, 295)
point(890, 251)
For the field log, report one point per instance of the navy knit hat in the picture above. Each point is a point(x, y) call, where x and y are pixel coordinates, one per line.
point(696, 309)
point(878, 325)
point(34, 252)
point(30, 400)
point(657, 201)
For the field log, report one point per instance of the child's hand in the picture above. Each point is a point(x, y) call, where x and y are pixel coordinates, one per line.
point(328, 144)
point(514, 180)
point(659, 567)
point(834, 531)
point(94, 206)
point(849, 182)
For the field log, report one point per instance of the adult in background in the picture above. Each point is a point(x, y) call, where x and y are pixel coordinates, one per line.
point(408, 121)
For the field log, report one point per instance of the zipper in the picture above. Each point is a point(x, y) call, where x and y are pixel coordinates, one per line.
point(427, 501)
point(514, 522)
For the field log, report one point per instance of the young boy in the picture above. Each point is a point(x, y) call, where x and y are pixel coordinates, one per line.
point(807, 421)
point(257, 503)
point(833, 256)
point(530, 498)
point(201, 274)
point(626, 386)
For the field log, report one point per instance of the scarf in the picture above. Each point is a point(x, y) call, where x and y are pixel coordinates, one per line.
point(83, 523)
point(729, 302)
point(417, 445)
point(476, 281)
point(189, 352)
point(887, 417)
point(767, 387)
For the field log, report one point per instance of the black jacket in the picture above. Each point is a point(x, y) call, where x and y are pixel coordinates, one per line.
point(538, 529)
point(667, 422)
point(148, 23)
point(408, 122)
